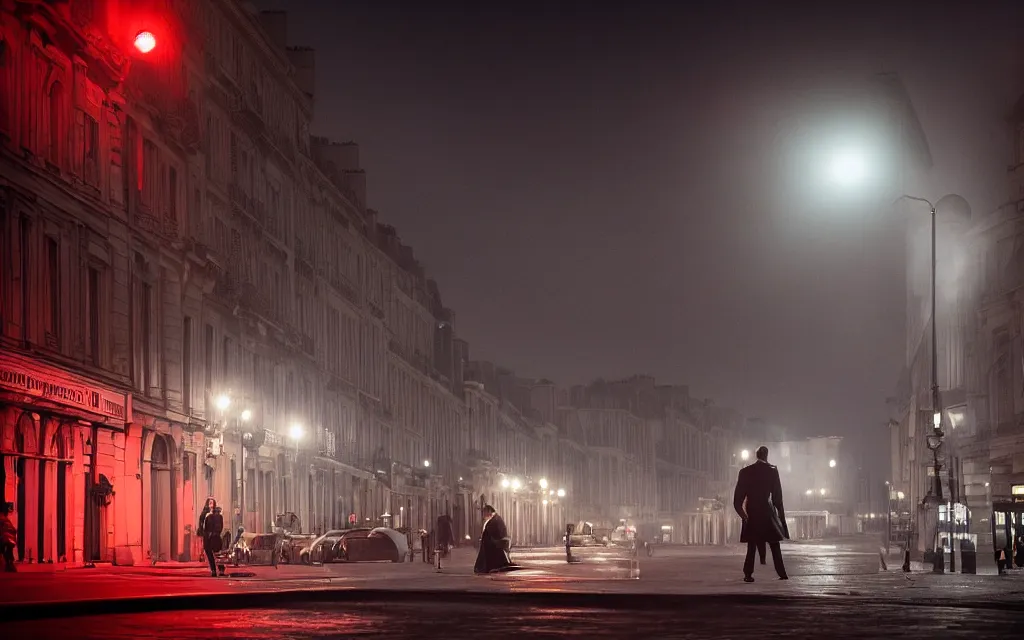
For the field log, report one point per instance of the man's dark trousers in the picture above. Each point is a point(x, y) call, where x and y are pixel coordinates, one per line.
point(748, 562)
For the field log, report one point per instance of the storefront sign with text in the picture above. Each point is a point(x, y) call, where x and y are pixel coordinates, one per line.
point(51, 384)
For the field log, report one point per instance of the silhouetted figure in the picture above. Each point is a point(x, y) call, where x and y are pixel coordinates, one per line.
point(445, 533)
point(494, 545)
point(8, 537)
point(758, 500)
point(213, 528)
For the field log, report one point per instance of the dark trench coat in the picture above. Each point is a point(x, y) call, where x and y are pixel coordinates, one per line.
point(493, 553)
point(758, 500)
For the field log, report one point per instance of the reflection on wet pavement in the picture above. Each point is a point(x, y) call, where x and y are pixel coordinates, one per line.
point(460, 620)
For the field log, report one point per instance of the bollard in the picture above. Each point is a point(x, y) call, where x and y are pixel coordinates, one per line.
point(568, 543)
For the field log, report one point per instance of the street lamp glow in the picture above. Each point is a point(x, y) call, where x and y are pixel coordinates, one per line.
point(543, 483)
point(900, 495)
point(744, 455)
point(223, 401)
point(832, 464)
point(145, 41)
point(848, 168)
point(561, 493)
point(505, 483)
point(544, 502)
point(937, 419)
point(296, 432)
point(515, 484)
point(822, 492)
point(246, 415)
point(426, 463)
point(808, 492)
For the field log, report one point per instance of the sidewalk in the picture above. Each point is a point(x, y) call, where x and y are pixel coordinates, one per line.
point(122, 589)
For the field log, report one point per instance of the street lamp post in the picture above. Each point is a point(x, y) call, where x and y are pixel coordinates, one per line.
point(936, 439)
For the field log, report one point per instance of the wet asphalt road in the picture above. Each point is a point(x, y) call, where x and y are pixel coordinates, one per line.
point(445, 617)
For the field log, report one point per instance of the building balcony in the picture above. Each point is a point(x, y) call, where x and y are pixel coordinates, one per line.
point(247, 206)
point(247, 112)
point(306, 344)
point(343, 286)
point(255, 300)
point(326, 443)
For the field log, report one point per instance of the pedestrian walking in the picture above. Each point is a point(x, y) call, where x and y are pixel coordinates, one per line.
point(213, 527)
point(758, 500)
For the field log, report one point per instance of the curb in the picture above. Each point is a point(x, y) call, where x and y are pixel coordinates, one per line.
point(388, 597)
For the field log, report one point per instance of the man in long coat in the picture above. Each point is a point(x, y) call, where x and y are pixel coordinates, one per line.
point(494, 545)
point(758, 500)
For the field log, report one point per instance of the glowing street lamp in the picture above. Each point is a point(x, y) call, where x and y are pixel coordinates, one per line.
point(145, 41)
point(505, 483)
point(515, 484)
point(296, 432)
point(426, 463)
point(822, 492)
point(561, 493)
point(808, 492)
point(223, 401)
point(745, 455)
point(543, 483)
point(246, 415)
point(848, 168)
point(832, 464)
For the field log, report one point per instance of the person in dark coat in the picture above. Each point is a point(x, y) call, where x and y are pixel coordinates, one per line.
point(758, 500)
point(445, 534)
point(494, 545)
point(8, 537)
point(213, 527)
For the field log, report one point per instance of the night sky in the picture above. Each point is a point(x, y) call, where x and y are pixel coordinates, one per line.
point(615, 190)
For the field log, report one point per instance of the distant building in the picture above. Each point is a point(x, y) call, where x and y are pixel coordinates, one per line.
point(818, 483)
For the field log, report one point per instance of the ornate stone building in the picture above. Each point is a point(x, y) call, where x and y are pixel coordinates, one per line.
point(980, 367)
point(195, 300)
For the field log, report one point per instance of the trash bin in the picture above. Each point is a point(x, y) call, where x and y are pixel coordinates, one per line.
point(968, 557)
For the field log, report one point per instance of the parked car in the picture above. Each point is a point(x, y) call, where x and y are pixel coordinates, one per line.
point(356, 545)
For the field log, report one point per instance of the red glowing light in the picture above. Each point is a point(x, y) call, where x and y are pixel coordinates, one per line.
point(145, 41)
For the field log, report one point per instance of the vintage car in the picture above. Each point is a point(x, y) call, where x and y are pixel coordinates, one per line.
point(357, 545)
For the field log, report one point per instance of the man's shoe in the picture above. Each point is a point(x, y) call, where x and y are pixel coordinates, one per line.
point(748, 578)
point(783, 577)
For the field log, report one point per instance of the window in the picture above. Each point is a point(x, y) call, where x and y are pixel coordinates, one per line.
point(91, 152)
point(5, 253)
point(186, 364)
point(5, 107)
point(208, 347)
point(142, 327)
point(149, 175)
point(172, 195)
point(226, 361)
point(92, 315)
point(145, 326)
point(56, 133)
point(53, 286)
point(24, 243)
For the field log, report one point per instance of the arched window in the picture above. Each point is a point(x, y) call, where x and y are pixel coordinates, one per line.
point(56, 132)
point(160, 455)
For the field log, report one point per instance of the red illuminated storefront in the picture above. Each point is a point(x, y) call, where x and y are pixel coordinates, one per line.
point(58, 436)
